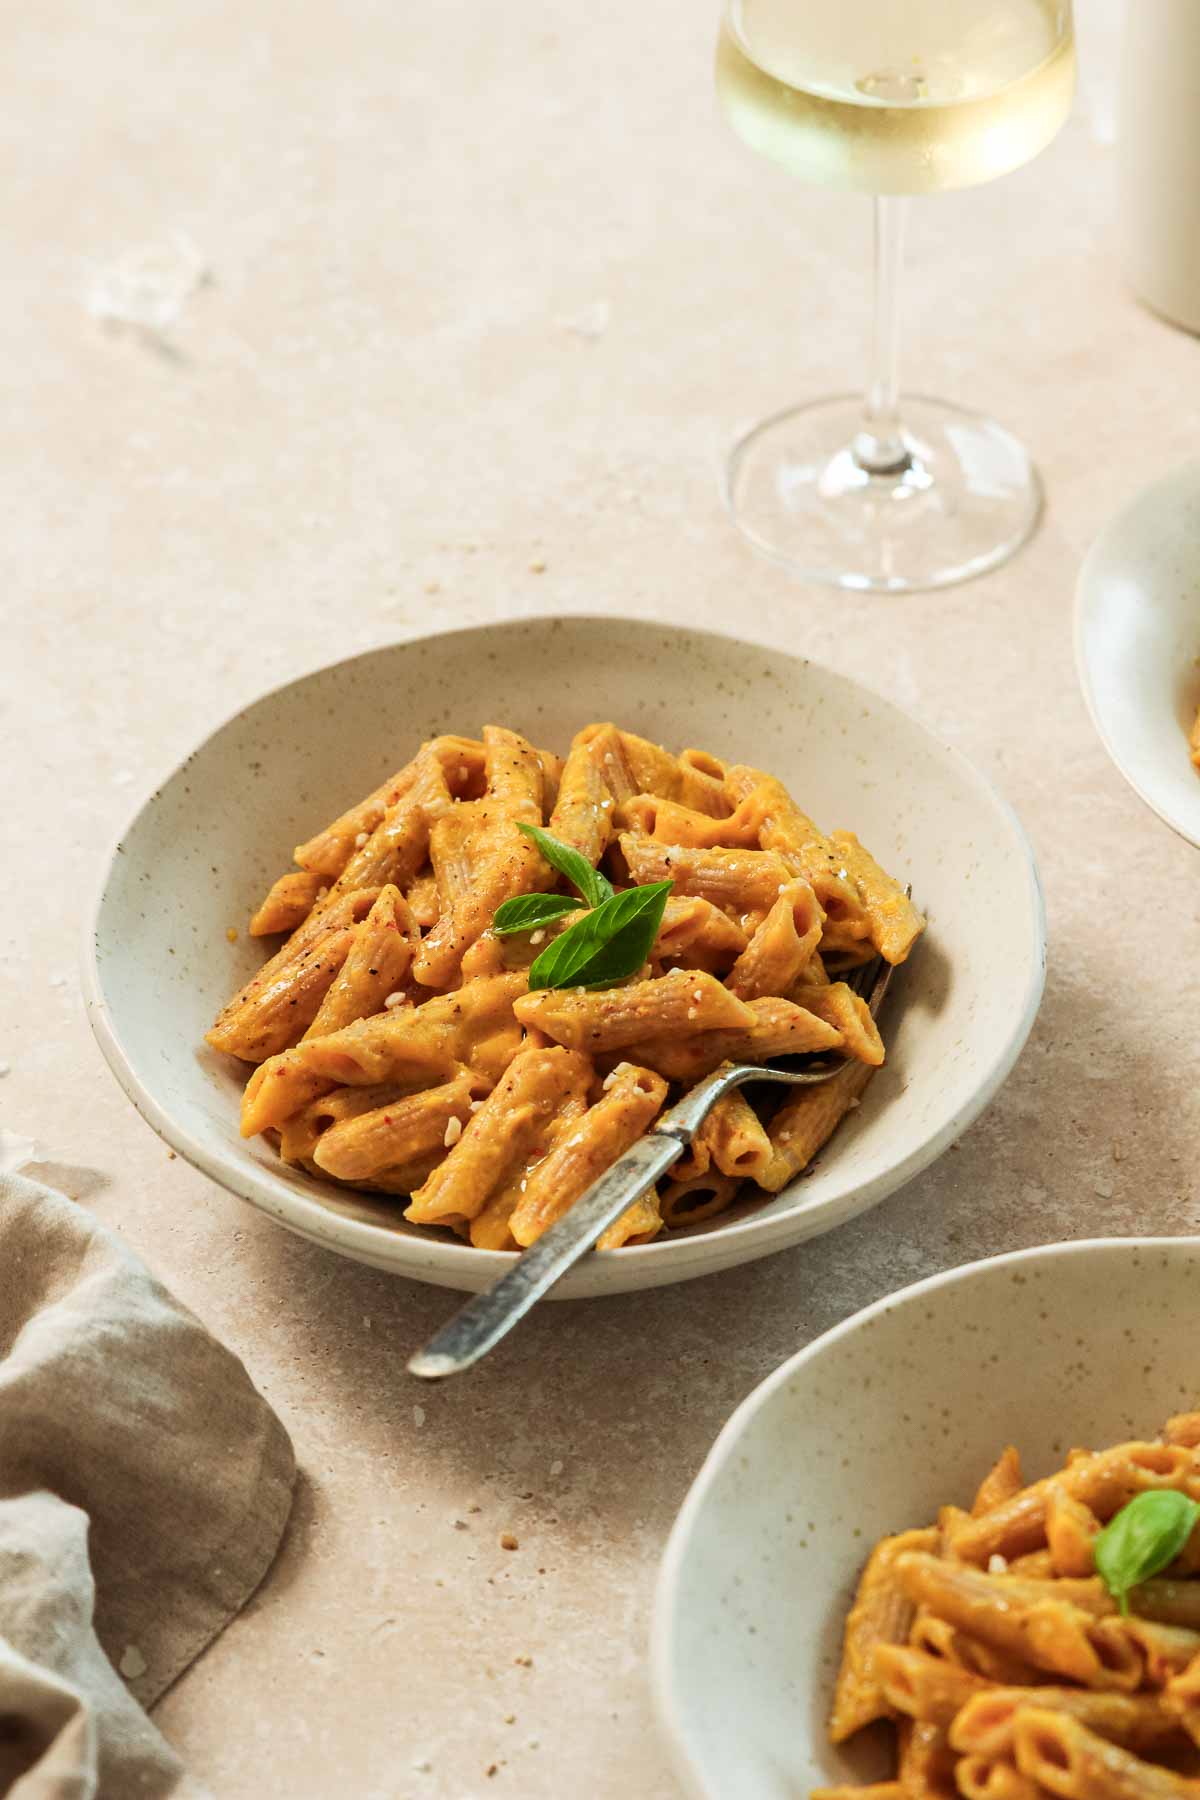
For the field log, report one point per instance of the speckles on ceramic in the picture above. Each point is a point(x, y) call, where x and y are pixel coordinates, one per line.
point(199, 855)
point(867, 1431)
point(1137, 643)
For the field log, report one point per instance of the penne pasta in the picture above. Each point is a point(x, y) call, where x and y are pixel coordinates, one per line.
point(519, 1108)
point(693, 1200)
point(1055, 1635)
point(786, 940)
point(745, 883)
point(895, 923)
point(882, 1614)
point(632, 1099)
point(686, 1003)
point(923, 1686)
point(1001, 1482)
point(985, 1724)
point(288, 903)
point(1062, 1755)
point(396, 1022)
point(807, 1120)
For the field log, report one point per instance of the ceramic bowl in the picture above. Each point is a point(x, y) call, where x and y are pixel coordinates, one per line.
point(868, 1431)
point(202, 850)
point(1137, 644)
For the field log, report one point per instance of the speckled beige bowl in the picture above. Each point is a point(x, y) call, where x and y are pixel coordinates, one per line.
point(1137, 643)
point(868, 1431)
point(202, 850)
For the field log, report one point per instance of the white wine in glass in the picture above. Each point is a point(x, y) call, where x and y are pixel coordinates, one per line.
point(890, 97)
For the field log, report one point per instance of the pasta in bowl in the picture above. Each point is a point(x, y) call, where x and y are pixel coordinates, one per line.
point(498, 963)
point(168, 945)
point(1022, 1627)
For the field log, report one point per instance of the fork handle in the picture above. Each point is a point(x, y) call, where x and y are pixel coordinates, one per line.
point(478, 1326)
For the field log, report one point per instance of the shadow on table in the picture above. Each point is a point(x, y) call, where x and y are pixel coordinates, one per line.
point(570, 1413)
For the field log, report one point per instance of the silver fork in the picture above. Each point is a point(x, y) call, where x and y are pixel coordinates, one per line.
point(487, 1317)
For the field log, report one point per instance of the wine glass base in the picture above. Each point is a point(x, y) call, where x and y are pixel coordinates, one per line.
point(964, 498)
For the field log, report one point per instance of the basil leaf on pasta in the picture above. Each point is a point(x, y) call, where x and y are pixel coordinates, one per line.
point(1142, 1539)
point(607, 944)
point(594, 886)
point(526, 911)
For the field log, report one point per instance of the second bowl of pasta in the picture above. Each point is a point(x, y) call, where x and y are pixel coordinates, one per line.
point(951, 1548)
point(542, 876)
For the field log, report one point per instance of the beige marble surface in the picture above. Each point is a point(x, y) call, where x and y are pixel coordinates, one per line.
point(491, 287)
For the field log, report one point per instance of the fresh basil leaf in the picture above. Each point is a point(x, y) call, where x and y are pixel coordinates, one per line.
point(595, 887)
point(1143, 1538)
point(607, 944)
point(525, 911)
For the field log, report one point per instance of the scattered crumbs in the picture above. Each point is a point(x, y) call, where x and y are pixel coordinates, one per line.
point(536, 937)
point(433, 587)
point(422, 1765)
point(851, 1104)
point(231, 933)
point(1116, 1150)
point(491, 1770)
point(391, 1001)
point(58, 981)
point(170, 1153)
point(997, 1564)
point(534, 1744)
point(453, 1131)
point(366, 1322)
point(418, 1415)
point(461, 1525)
point(538, 566)
point(6, 1069)
point(1104, 1187)
point(133, 1663)
point(361, 839)
point(523, 1662)
point(474, 1509)
point(508, 1541)
point(556, 1467)
point(510, 1718)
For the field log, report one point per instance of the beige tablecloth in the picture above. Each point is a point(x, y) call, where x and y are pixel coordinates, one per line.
point(144, 1488)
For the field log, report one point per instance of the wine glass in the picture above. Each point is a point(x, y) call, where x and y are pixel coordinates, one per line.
point(891, 97)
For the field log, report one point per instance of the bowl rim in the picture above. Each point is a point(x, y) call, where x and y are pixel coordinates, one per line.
point(671, 1565)
point(758, 1234)
point(1085, 583)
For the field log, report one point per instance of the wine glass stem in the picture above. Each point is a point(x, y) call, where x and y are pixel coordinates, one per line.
point(879, 447)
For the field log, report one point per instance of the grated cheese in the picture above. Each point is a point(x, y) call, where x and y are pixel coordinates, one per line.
point(361, 839)
point(394, 1000)
point(454, 1131)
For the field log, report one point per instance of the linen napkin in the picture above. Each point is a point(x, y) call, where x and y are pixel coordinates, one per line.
point(144, 1488)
